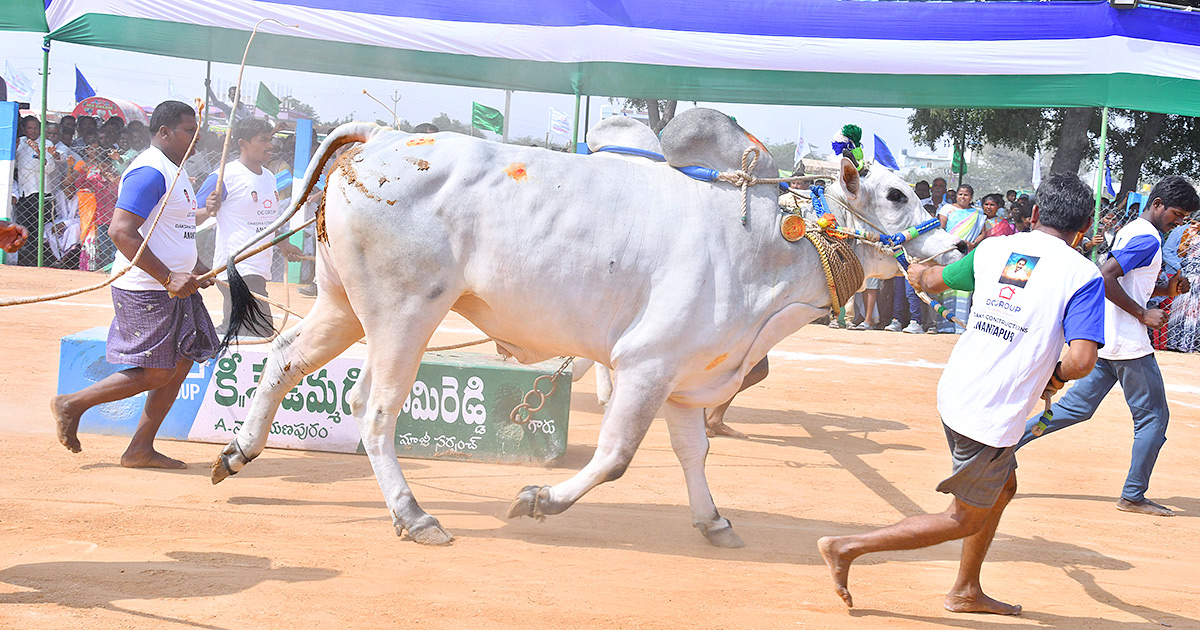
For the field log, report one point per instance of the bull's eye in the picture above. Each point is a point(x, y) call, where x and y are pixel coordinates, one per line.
point(896, 196)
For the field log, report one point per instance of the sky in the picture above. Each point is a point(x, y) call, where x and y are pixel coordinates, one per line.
point(142, 79)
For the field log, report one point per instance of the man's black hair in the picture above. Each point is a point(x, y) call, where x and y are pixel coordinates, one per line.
point(1010, 192)
point(249, 128)
point(426, 128)
point(1176, 192)
point(169, 114)
point(921, 182)
point(1065, 202)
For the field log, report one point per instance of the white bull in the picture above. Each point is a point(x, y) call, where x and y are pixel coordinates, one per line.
point(630, 264)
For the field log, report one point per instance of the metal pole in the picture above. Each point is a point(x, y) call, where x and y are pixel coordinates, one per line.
point(507, 102)
point(587, 115)
point(207, 86)
point(575, 129)
point(42, 151)
point(1100, 173)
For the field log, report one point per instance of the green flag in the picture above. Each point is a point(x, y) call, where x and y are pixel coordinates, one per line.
point(266, 101)
point(958, 164)
point(483, 117)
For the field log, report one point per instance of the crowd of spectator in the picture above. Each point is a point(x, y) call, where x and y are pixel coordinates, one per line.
point(892, 304)
point(83, 164)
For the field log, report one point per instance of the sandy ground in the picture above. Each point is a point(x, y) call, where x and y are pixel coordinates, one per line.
point(844, 437)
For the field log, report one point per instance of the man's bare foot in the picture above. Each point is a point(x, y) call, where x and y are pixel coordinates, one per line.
point(150, 459)
point(979, 603)
point(67, 423)
point(839, 567)
point(714, 425)
point(1146, 506)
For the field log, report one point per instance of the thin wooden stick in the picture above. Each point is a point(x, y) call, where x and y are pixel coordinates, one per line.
point(237, 99)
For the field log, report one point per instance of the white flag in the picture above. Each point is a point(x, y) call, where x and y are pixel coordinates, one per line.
point(559, 123)
point(799, 145)
point(1037, 168)
point(18, 84)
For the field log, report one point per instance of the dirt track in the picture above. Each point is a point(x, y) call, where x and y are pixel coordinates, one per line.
point(844, 436)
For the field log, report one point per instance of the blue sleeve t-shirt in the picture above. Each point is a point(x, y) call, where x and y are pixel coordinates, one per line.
point(1084, 315)
point(207, 188)
point(141, 190)
point(1137, 253)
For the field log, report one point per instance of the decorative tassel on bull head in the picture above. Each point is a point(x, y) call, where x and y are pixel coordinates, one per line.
point(848, 142)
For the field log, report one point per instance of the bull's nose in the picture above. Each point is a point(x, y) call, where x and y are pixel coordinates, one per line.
point(962, 247)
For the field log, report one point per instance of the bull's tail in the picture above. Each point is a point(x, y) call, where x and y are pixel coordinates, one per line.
point(245, 311)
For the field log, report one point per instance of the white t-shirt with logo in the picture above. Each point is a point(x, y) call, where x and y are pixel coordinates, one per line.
point(1138, 249)
point(173, 242)
point(249, 204)
point(1033, 292)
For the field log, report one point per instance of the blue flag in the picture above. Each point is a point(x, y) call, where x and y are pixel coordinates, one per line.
point(82, 89)
point(883, 155)
point(1108, 187)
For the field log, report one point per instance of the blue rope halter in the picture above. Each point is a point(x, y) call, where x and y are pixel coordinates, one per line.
point(657, 157)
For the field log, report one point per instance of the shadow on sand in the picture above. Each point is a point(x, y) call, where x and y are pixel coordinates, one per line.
point(96, 585)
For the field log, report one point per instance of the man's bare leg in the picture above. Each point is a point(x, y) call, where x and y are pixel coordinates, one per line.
point(958, 521)
point(714, 419)
point(68, 408)
point(967, 595)
point(141, 453)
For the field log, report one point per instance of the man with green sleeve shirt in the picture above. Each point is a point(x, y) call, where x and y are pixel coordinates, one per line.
point(1033, 292)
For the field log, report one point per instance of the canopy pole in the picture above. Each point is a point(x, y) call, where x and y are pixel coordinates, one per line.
point(1100, 173)
point(575, 128)
point(587, 115)
point(507, 103)
point(207, 82)
point(42, 151)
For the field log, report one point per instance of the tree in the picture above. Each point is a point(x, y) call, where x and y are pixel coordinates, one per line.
point(658, 113)
point(1140, 144)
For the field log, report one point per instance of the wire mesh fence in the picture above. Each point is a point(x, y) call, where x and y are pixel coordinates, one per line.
point(81, 184)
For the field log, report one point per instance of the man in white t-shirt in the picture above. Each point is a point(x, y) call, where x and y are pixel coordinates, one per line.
point(1019, 322)
point(160, 325)
point(1130, 279)
point(247, 204)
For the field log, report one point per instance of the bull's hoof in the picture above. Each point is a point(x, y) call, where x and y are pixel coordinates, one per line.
point(722, 535)
point(529, 501)
point(427, 531)
point(221, 469)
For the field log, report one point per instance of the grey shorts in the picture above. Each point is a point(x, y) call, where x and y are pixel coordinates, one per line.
point(872, 283)
point(151, 329)
point(980, 471)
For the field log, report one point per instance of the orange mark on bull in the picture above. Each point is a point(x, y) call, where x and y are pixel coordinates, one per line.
point(517, 171)
point(418, 141)
point(717, 361)
point(756, 141)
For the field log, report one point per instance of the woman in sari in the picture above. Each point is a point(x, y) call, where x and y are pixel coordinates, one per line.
point(962, 220)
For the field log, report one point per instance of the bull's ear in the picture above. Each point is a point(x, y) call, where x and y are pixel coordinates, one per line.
point(849, 178)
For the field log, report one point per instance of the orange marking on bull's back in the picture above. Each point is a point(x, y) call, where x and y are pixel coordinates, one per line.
point(717, 361)
point(756, 141)
point(517, 171)
point(416, 141)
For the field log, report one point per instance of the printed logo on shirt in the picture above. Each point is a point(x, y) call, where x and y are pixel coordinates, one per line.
point(1018, 270)
point(254, 196)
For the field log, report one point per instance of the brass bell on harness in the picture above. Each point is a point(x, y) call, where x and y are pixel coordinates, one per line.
point(792, 227)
